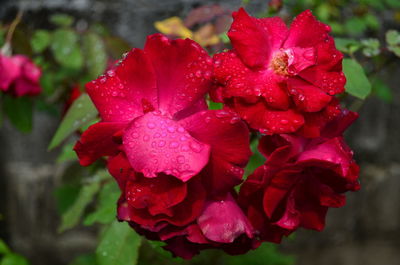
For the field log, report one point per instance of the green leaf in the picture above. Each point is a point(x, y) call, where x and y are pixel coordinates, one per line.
point(347, 45)
point(256, 160)
point(393, 3)
point(72, 216)
point(266, 254)
point(65, 196)
point(67, 153)
point(40, 40)
point(62, 20)
point(355, 26)
point(3, 247)
point(14, 259)
point(88, 259)
point(393, 37)
point(116, 46)
point(119, 245)
point(393, 40)
point(371, 47)
point(215, 105)
point(371, 21)
point(81, 112)
point(66, 50)
point(95, 54)
point(381, 90)
point(357, 83)
point(19, 111)
point(106, 208)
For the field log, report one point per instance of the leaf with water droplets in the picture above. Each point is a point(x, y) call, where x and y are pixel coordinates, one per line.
point(119, 245)
point(357, 83)
point(81, 113)
point(95, 54)
point(106, 207)
point(72, 216)
point(66, 49)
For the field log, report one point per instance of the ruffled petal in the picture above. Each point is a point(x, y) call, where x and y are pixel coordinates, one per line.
point(120, 168)
point(307, 97)
point(158, 194)
point(306, 31)
point(333, 152)
point(260, 117)
point(127, 91)
point(228, 138)
point(223, 221)
point(250, 39)
point(155, 144)
point(240, 81)
point(97, 141)
point(181, 214)
point(183, 71)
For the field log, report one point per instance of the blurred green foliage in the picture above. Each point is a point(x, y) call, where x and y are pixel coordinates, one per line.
point(7, 257)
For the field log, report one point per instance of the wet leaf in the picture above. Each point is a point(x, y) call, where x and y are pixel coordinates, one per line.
point(81, 113)
point(95, 55)
point(72, 216)
point(66, 50)
point(106, 205)
point(119, 245)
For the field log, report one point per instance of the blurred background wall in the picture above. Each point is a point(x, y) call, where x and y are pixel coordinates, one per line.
point(364, 232)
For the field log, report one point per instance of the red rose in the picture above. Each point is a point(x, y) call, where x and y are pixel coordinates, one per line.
point(279, 79)
point(173, 159)
point(301, 179)
point(19, 76)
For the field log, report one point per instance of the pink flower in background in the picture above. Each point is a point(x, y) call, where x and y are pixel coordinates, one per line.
point(175, 161)
point(301, 179)
point(19, 76)
point(280, 80)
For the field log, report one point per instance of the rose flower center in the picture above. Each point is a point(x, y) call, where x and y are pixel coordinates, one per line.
point(279, 63)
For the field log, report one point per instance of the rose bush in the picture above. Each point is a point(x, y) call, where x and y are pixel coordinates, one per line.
point(177, 163)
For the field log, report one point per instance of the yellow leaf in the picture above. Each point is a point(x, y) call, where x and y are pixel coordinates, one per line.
point(173, 26)
point(206, 35)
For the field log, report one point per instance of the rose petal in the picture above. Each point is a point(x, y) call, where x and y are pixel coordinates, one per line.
point(223, 221)
point(306, 31)
point(228, 138)
point(9, 71)
point(97, 141)
point(120, 168)
point(307, 97)
point(25, 87)
point(183, 72)
point(127, 91)
point(158, 194)
point(267, 120)
point(155, 144)
point(250, 39)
